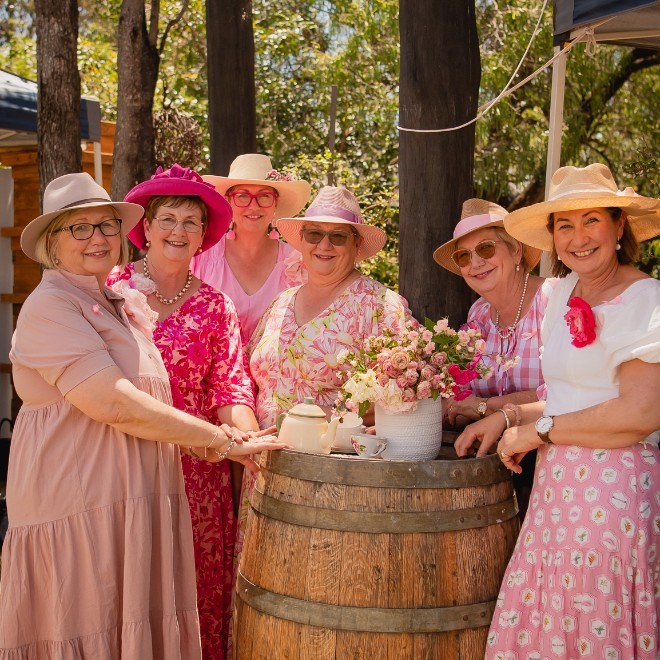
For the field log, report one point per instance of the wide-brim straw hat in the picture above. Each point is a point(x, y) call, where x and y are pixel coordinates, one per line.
point(574, 188)
point(478, 214)
point(184, 182)
point(256, 169)
point(335, 205)
point(69, 193)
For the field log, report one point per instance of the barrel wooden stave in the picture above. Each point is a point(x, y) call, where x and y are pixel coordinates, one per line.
point(367, 570)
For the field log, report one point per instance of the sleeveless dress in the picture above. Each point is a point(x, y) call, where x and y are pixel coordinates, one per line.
point(583, 578)
point(98, 559)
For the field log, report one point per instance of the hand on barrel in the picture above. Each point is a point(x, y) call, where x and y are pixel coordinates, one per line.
point(480, 437)
point(515, 443)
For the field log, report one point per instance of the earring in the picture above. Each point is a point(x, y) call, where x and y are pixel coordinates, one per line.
point(199, 250)
point(517, 267)
point(558, 258)
point(231, 233)
point(618, 246)
point(56, 261)
point(147, 244)
point(273, 234)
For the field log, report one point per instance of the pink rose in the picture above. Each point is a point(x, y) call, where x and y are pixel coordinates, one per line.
point(424, 390)
point(581, 322)
point(399, 359)
point(437, 382)
point(460, 376)
point(438, 359)
point(402, 382)
point(411, 376)
point(409, 394)
point(428, 372)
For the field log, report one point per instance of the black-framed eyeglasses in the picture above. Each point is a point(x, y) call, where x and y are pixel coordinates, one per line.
point(81, 231)
point(485, 250)
point(242, 198)
point(167, 222)
point(337, 237)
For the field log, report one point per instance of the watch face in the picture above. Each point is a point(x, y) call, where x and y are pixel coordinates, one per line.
point(482, 407)
point(544, 424)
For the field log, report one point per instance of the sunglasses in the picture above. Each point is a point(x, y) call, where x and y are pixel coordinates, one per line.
point(336, 236)
point(484, 250)
point(81, 231)
point(243, 199)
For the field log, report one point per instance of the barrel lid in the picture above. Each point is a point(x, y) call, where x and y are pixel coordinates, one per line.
point(307, 409)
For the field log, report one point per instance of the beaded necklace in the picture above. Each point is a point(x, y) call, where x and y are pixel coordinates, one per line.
point(505, 333)
point(166, 301)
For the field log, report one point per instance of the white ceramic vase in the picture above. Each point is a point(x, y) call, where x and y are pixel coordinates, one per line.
point(413, 436)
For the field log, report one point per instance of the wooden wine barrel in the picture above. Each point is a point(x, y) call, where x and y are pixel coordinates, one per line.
point(374, 559)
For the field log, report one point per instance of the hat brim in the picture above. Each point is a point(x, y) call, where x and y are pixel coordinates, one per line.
point(130, 215)
point(373, 238)
point(529, 224)
point(218, 210)
point(442, 255)
point(292, 195)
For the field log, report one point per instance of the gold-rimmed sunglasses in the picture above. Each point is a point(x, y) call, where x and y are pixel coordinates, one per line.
point(484, 250)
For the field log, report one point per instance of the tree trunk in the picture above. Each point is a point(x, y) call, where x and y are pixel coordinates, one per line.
point(58, 80)
point(230, 59)
point(138, 60)
point(439, 87)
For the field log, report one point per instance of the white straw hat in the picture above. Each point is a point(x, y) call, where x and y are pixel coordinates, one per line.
point(68, 193)
point(574, 188)
point(478, 214)
point(256, 169)
point(335, 205)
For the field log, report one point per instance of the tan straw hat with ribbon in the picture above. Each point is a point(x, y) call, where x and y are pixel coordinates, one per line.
point(256, 169)
point(574, 188)
point(335, 205)
point(68, 193)
point(478, 214)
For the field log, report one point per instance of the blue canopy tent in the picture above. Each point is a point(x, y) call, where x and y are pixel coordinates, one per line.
point(18, 116)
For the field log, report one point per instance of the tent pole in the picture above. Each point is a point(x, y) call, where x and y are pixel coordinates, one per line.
point(98, 166)
point(554, 133)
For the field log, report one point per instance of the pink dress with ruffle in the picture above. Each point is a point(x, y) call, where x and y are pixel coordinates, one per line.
point(202, 350)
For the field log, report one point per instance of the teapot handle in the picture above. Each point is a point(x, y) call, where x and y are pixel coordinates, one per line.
point(278, 421)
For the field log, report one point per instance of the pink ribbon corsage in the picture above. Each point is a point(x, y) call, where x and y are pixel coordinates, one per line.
point(581, 322)
point(136, 305)
point(295, 272)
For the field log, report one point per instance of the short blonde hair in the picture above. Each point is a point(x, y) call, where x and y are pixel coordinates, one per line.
point(45, 247)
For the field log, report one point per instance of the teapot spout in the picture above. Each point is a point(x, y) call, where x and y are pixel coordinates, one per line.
point(328, 438)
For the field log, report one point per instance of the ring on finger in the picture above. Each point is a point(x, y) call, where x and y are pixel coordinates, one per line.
point(503, 455)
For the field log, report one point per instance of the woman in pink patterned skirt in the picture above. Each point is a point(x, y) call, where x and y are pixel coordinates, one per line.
point(582, 581)
point(198, 336)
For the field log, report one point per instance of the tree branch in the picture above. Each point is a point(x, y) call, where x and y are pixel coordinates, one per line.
point(172, 23)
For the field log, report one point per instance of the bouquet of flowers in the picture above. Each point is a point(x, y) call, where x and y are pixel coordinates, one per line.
point(396, 371)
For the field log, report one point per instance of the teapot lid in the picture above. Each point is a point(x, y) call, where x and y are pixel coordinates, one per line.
point(307, 409)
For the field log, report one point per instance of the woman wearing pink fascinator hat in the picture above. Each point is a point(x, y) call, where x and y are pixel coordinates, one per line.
point(198, 334)
point(591, 536)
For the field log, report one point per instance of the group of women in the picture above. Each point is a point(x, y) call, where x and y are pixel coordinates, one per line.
point(125, 521)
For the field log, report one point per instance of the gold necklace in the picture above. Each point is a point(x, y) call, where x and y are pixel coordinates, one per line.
point(166, 301)
point(505, 333)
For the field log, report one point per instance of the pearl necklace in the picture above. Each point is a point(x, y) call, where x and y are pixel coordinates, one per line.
point(167, 301)
point(505, 333)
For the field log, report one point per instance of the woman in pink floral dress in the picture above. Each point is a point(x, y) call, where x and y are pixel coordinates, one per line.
point(293, 351)
point(583, 578)
point(198, 336)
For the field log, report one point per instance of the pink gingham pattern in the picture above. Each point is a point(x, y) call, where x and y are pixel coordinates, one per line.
point(525, 343)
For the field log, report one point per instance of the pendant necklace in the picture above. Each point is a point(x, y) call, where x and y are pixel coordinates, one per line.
point(167, 301)
point(505, 333)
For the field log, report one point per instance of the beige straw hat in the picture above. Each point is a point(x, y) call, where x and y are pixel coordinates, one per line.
point(256, 169)
point(574, 188)
point(478, 214)
point(335, 205)
point(68, 193)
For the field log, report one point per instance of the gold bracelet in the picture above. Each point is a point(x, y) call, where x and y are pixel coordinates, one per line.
point(215, 435)
point(506, 417)
point(192, 452)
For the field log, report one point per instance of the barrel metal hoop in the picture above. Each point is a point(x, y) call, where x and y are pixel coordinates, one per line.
point(468, 473)
point(364, 619)
point(404, 522)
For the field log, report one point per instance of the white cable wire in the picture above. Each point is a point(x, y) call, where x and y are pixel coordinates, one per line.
point(587, 32)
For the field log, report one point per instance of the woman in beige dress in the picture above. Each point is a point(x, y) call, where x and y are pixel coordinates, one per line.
point(98, 559)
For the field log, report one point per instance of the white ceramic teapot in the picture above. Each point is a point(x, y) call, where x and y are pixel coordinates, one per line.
point(306, 428)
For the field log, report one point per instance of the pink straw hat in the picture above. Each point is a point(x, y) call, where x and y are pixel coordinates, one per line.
point(574, 188)
point(478, 214)
point(335, 205)
point(180, 181)
point(68, 193)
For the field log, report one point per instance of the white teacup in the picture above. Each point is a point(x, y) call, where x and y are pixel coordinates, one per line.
point(368, 446)
point(343, 436)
